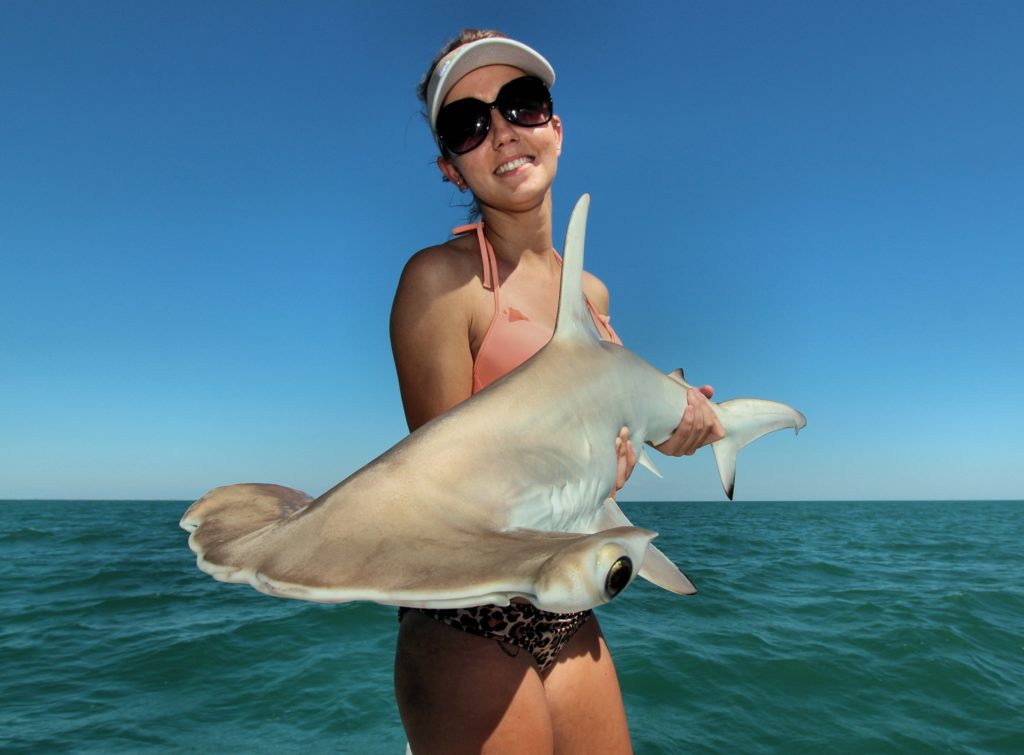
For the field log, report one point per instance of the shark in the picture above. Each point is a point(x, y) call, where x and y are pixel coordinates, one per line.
point(505, 496)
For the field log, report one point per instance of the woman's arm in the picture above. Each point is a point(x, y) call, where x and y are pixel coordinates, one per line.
point(430, 335)
point(699, 425)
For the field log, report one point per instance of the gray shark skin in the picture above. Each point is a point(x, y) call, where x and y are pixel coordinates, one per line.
point(504, 496)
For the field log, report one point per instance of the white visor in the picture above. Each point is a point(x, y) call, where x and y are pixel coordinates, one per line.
point(484, 52)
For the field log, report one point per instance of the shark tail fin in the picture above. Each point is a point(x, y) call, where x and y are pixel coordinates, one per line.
point(745, 420)
point(574, 320)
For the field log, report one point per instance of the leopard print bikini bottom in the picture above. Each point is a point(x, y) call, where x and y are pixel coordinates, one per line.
point(540, 633)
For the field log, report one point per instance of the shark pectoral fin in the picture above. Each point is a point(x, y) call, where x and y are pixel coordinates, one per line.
point(745, 420)
point(611, 516)
point(644, 460)
point(659, 570)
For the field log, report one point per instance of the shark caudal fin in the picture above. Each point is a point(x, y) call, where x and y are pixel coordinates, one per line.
point(574, 320)
point(745, 420)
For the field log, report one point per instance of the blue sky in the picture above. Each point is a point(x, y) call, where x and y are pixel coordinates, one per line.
point(205, 207)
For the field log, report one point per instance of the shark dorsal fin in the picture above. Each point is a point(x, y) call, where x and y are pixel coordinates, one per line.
point(574, 321)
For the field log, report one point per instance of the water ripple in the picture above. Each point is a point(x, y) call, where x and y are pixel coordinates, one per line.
point(838, 627)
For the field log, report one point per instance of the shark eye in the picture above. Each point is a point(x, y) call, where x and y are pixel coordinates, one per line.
point(618, 576)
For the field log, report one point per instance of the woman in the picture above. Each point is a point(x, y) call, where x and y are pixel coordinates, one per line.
point(512, 679)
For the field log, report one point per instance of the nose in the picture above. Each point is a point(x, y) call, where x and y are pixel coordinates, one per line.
point(502, 132)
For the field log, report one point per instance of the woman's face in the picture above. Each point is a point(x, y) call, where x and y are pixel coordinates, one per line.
point(515, 165)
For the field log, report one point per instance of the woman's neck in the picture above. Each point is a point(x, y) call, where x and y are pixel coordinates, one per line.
point(515, 234)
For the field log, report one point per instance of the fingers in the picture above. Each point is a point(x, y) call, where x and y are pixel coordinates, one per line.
point(691, 428)
point(707, 426)
point(625, 458)
point(699, 426)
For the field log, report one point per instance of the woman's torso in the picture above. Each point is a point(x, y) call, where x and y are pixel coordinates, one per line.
point(518, 328)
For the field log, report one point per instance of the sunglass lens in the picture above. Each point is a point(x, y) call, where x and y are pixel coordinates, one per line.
point(462, 125)
point(526, 102)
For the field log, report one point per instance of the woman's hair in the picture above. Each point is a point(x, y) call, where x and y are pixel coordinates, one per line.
point(464, 38)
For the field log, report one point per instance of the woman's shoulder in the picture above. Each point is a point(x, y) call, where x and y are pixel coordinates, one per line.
point(442, 267)
point(596, 292)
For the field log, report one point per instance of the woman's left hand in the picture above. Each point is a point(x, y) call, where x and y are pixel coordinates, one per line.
point(699, 426)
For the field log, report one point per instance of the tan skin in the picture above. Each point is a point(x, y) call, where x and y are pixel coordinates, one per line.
point(459, 693)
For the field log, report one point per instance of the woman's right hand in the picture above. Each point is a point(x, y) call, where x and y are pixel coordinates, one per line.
point(625, 459)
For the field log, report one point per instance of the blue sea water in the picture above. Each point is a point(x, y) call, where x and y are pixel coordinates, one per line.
point(832, 627)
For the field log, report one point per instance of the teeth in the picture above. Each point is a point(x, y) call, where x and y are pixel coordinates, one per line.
point(512, 165)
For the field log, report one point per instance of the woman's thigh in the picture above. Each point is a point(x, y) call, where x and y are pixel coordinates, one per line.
point(458, 692)
point(584, 699)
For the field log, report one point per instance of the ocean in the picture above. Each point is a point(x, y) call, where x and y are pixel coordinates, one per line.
point(819, 627)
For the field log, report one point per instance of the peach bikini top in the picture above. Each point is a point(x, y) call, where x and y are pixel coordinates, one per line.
point(512, 337)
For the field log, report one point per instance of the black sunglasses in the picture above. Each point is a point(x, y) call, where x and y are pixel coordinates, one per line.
point(463, 125)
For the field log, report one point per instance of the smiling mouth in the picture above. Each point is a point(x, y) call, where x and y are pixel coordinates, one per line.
point(512, 165)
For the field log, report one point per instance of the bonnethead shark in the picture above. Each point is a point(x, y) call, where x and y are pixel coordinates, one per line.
point(504, 496)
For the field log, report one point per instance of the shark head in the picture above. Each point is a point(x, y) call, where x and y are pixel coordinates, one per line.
point(592, 571)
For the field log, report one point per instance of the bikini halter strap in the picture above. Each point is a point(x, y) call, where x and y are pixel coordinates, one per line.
point(489, 263)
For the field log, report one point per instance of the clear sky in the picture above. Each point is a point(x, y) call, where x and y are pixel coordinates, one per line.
point(205, 207)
